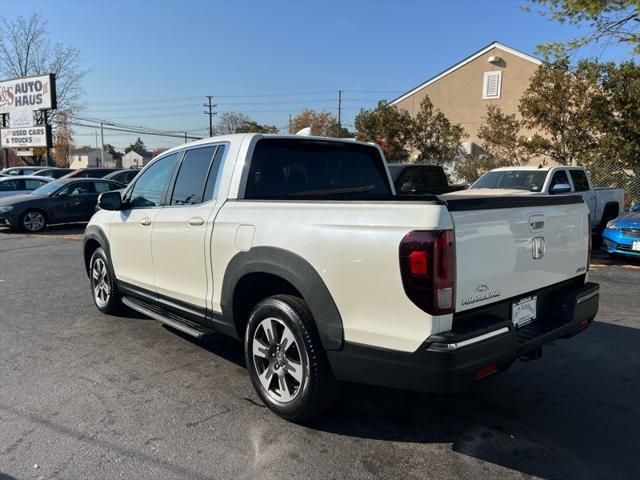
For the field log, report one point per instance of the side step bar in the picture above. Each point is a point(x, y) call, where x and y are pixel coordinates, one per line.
point(174, 323)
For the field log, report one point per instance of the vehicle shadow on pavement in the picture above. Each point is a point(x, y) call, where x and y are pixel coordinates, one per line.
point(572, 414)
point(69, 229)
point(599, 257)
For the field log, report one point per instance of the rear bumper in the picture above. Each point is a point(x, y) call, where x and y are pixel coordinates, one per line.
point(453, 361)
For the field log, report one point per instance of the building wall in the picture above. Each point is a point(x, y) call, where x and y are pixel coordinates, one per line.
point(459, 94)
point(132, 159)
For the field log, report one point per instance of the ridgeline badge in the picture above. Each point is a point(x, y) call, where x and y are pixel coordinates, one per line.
point(483, 293)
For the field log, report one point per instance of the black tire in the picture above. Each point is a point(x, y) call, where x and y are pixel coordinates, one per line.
point(33, 221)
point(318, 387)
point(107, 298)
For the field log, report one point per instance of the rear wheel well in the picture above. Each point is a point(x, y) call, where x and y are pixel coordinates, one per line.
point(251, 289)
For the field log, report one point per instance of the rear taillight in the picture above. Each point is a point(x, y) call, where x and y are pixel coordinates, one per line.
point(590, 241)
point(428, 269)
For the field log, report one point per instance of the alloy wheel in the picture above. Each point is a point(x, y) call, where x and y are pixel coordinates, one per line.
point(278, 360)
point(33, 221)
point(100, 282)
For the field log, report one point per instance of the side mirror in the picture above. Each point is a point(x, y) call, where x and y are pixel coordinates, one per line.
point(110, 201)
point(62, 194)
point(560, 188)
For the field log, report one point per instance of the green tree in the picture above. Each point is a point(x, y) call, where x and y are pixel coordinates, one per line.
point(138, 147)
point(110, 149)
point(389, 127)
point(606, 21)
point(436, 139)
point(501, 138)
point(557, 104)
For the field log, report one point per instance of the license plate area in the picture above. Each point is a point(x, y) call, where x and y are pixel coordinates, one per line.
point(635, 246)
point(523, 311)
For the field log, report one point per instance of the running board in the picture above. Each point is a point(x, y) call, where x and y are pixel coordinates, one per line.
point(174, 323)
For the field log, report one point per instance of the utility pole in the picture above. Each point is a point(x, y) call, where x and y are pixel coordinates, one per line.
point(102, 123)
point(185, 137)
point(339, 113)
point(210, 106)
point(290, 125)
point(101, 146)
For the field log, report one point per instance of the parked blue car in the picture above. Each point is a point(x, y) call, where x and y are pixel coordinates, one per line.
point(622, 235)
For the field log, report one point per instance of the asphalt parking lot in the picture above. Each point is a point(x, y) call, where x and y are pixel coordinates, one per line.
point(84, 395)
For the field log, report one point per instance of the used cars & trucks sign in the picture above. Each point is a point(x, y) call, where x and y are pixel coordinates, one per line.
point(35, 136)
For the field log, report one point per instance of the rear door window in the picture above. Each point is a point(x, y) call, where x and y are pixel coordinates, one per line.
point(560, 177)
point(292, 169)
point(31, 184)
point(8, 185)
point(191, 178)
point(580, 180)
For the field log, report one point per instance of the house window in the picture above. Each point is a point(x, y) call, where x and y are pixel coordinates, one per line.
point(492, 85)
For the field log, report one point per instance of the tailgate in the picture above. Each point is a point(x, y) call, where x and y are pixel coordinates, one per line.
point(507, 246)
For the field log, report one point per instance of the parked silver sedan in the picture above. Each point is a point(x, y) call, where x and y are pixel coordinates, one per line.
point(16, 185)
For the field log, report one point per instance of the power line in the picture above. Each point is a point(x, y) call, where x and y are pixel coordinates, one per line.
point(140, 132)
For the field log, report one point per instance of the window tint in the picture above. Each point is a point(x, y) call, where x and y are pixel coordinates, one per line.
point(8, 185)
point(78, 189)
point(150, 186)
point(308, 169)
point(102, 187)
point(190, 181)
point(30, 184)
point(580, 181)
point(531, 180)
point(211, 190)
point(558, 178)
point(421, 180)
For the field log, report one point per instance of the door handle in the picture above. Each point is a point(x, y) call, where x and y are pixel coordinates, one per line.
point(195, 221)
point(145, 222)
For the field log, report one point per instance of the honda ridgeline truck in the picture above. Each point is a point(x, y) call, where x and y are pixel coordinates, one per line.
point(300, 248)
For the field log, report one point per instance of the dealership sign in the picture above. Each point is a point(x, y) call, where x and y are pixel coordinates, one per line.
point(20, 97)
point(25, 137)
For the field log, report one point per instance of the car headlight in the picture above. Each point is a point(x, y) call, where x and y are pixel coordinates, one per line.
point(5, 209)
point(611, 225)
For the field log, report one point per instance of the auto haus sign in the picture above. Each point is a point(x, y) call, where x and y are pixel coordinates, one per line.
point(38, 136)
point(20, 97)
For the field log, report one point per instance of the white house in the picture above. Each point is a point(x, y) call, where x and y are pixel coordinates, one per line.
point(135, 160)
point(87, 157)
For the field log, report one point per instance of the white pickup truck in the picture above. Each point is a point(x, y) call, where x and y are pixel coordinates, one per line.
point(604, 203)
point(299, 247)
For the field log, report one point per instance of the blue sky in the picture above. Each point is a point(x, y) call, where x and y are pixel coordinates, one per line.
point(152, 63)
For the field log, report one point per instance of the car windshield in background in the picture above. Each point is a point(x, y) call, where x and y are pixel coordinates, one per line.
point(530, 180)
point(291, 168)
point(48, 189)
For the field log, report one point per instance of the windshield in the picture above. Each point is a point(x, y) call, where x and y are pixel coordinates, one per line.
point(48, 189)
point(530, 180)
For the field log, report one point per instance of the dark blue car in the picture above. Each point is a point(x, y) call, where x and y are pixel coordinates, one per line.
point(622, 235)
point(60, 201)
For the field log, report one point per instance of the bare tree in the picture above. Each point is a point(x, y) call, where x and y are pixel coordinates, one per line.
point(26, 50)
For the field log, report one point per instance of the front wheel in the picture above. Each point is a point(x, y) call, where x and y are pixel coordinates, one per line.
point(33, 221)
point(103, 285)
point(285, 359)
